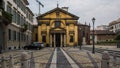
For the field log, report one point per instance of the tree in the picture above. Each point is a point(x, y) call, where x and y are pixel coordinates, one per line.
point(117, 37)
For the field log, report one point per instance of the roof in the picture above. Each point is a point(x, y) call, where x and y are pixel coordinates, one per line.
point(79, 24)
point(114, 22)
point(26, 2)
point(103, 32)
point(57, 9)
point(30, 10)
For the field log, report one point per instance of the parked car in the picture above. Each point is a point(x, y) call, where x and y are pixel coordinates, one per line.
point(34, 45)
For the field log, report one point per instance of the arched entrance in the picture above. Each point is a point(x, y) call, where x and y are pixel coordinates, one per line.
point(1, 36)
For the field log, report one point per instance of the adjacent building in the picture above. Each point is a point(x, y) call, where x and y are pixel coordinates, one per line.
point(16, 24)
point(115, 26)
point(83, 34)
point(57, 28)
point(102, 36)
point(102, 27)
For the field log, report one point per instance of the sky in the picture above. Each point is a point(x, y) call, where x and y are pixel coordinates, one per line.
point(104, 11)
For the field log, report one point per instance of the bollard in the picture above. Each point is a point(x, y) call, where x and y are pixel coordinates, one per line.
point(32, 62)
point(114, 59)
point(3, 64)
point(11, 62)
point(105, 60)
point(24, 60)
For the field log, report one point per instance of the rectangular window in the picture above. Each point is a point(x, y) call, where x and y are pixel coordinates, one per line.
point(9, 10)
point(18, 2)
point(3, 4)
point(14, 35)
point(20, 36)
point(57, 23)
point(29, 26)
point(17, 37)
point(18, 19)
point(71, 39)
point(43, 38)
point(9, 34)
point(14, 16)
point(21, 19)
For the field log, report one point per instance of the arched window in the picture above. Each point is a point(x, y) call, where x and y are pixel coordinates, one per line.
point(57, 23)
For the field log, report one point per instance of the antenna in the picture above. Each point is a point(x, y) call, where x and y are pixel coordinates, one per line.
point(40, 4)
point(57, 4)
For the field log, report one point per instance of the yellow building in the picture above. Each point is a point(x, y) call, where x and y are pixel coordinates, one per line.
point(58, 28)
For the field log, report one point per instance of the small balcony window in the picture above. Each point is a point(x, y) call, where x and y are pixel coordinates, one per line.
point(57, 24)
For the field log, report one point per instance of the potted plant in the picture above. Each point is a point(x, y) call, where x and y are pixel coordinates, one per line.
point(24, 27)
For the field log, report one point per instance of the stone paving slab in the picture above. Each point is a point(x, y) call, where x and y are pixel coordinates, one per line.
point(41, 57)
point(109, 47)
point(85, 58)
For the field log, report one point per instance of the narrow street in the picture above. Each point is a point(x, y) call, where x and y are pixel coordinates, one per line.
point(60, 59)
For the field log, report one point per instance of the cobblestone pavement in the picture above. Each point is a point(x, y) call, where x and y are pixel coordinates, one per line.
point(41, 57)
point(85, 59)
point(62, 60)
point(109, 47)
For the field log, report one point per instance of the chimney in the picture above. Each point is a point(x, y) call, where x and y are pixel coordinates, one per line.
point(65, 8)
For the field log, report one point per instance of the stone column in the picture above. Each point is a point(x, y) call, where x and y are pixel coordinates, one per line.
point(64, 40)
point(54, 41)
point(61, 41)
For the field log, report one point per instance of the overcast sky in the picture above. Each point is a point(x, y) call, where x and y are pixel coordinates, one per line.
point(104, 11)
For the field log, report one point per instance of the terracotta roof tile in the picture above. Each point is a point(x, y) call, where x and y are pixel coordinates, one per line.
point(102, 32)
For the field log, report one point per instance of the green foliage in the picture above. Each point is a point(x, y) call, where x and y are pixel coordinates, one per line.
point(117, 37)
point(108, 42)
point(1, 4)
point(7, 16)
point(24, 27)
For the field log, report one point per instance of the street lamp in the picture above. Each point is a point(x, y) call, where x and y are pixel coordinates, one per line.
point(93, 50)
point(80, 39)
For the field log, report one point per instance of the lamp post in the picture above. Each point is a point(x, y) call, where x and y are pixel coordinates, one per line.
point(93, 50)
point(80, 39)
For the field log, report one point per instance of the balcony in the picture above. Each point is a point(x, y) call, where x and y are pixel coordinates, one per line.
point(6, 17)
point(24, 28)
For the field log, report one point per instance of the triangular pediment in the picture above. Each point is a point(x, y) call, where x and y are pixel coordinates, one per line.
point(52, 14)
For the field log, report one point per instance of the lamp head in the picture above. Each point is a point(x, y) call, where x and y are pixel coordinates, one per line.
point(93, 19)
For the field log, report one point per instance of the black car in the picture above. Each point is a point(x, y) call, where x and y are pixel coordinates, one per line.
point(35, 45)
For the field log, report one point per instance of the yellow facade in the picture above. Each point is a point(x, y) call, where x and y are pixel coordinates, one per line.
point(58, 28)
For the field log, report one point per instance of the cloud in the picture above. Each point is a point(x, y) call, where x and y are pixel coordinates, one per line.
point(104, 11)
